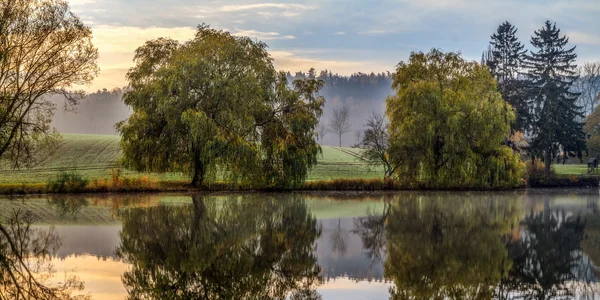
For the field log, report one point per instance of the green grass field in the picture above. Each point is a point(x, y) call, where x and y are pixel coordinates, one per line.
point(93, 156)
point(571, 169)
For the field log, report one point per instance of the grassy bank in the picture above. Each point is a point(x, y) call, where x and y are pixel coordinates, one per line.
point(93, 157)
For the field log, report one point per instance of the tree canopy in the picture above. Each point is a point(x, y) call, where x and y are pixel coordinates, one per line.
point(45, 50)
point(505, 61)
point(215, 107)
point(448, 122)
point(557, 129)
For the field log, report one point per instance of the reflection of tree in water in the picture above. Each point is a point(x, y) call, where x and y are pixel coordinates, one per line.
point(545, 257)
point(339, 239)
point(440, 246)
point(246, 248)
point(67, 207)
point(447, 248)
point(25, 261)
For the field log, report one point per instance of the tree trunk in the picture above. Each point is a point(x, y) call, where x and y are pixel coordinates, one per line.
point(340, 136)
point(199, 170)
point(547, 162)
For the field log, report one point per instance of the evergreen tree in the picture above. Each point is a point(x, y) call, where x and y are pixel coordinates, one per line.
point(504, 58)
point(551, 73)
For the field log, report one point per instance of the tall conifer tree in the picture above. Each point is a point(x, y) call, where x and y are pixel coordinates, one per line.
point(551, 73)
point(505, 58)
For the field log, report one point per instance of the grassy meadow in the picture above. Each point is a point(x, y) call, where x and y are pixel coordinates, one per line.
point(93, 157)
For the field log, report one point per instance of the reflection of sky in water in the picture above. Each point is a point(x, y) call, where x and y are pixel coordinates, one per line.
point(88, 249)
point(102, 279)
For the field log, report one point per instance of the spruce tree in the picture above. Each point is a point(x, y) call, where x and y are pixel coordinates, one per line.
point(505, 57)
point(550, 75)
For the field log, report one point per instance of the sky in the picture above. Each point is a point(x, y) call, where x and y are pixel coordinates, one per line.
point(345, 36)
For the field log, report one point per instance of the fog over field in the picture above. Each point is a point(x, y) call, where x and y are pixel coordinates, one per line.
point(362, 93)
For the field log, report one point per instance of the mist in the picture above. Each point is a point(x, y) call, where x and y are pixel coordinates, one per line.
point(96, 114)
point(362, 93)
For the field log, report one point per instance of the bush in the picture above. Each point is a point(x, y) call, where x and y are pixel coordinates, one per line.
point(537, 168)
point(348, 185)
point(557, 181)
point(67, 182)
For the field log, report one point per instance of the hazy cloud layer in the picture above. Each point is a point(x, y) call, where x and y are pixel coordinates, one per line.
point(342, 35)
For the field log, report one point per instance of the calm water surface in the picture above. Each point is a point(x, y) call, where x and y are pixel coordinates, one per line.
point(438, 245)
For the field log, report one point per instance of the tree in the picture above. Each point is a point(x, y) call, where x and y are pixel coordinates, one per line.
point(25, 260)
point(588, 84)
point(505, 60)
point(444, 247)
point(592, 132)
point(219, 108)
point(376, 143)
point(44, 50)
point(448, 123)
point(340, 121)
point(358, 136)
point(251, 248)
point(550, 74)
point(322, 132)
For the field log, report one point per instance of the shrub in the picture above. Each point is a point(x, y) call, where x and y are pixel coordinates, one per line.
point(67, 182)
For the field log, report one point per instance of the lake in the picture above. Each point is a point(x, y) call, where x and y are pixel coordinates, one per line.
point(536, 244)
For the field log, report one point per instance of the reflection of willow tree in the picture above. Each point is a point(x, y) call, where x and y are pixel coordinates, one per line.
point(545, 257)
point(67, 207)
point(440, 246)
point(238, 248)
point(25, 261)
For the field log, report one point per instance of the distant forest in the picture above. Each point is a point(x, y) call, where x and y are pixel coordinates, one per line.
point(363, 93)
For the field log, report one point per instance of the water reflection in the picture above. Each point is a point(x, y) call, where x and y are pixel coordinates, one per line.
point(25, 266)
point(534, 245)
point(241, 248)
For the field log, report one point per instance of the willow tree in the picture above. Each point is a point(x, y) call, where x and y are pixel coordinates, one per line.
point(447, 124)
point(215, 106)
point(44, 50)
point(253, 248)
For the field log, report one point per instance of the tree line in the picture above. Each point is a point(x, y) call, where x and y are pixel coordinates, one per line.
point(215, 108)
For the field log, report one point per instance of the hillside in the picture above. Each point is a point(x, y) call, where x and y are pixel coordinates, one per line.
point(94, 155)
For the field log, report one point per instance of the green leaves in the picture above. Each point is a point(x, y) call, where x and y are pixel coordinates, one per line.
point(215, 108)
point(447, 124)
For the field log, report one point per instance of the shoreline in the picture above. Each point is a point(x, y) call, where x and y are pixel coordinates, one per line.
point(335, 185)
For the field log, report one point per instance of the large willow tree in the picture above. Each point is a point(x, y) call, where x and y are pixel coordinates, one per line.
point(447, 124)
point(215, 106)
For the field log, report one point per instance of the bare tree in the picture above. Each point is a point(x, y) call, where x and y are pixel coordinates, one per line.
point(375, 142)
point(340, 122)
point(588, 85)
point(321, 132)
point(44, 50)
point(358, 136)
point(25, 259)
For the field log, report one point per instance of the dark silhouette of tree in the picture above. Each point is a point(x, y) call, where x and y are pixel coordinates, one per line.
point(544, 258)
point(376, 142)
point(505, 59)
point(25, 265)
point(556, 122)
point(251, 248)
point(340, 121)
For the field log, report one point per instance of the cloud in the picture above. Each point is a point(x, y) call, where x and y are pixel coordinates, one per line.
point(289, 61)
point(583, 38)
point(339, 33)
point(264, 36)
point(286, 6)
point(125, 39)
point(375, 32)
